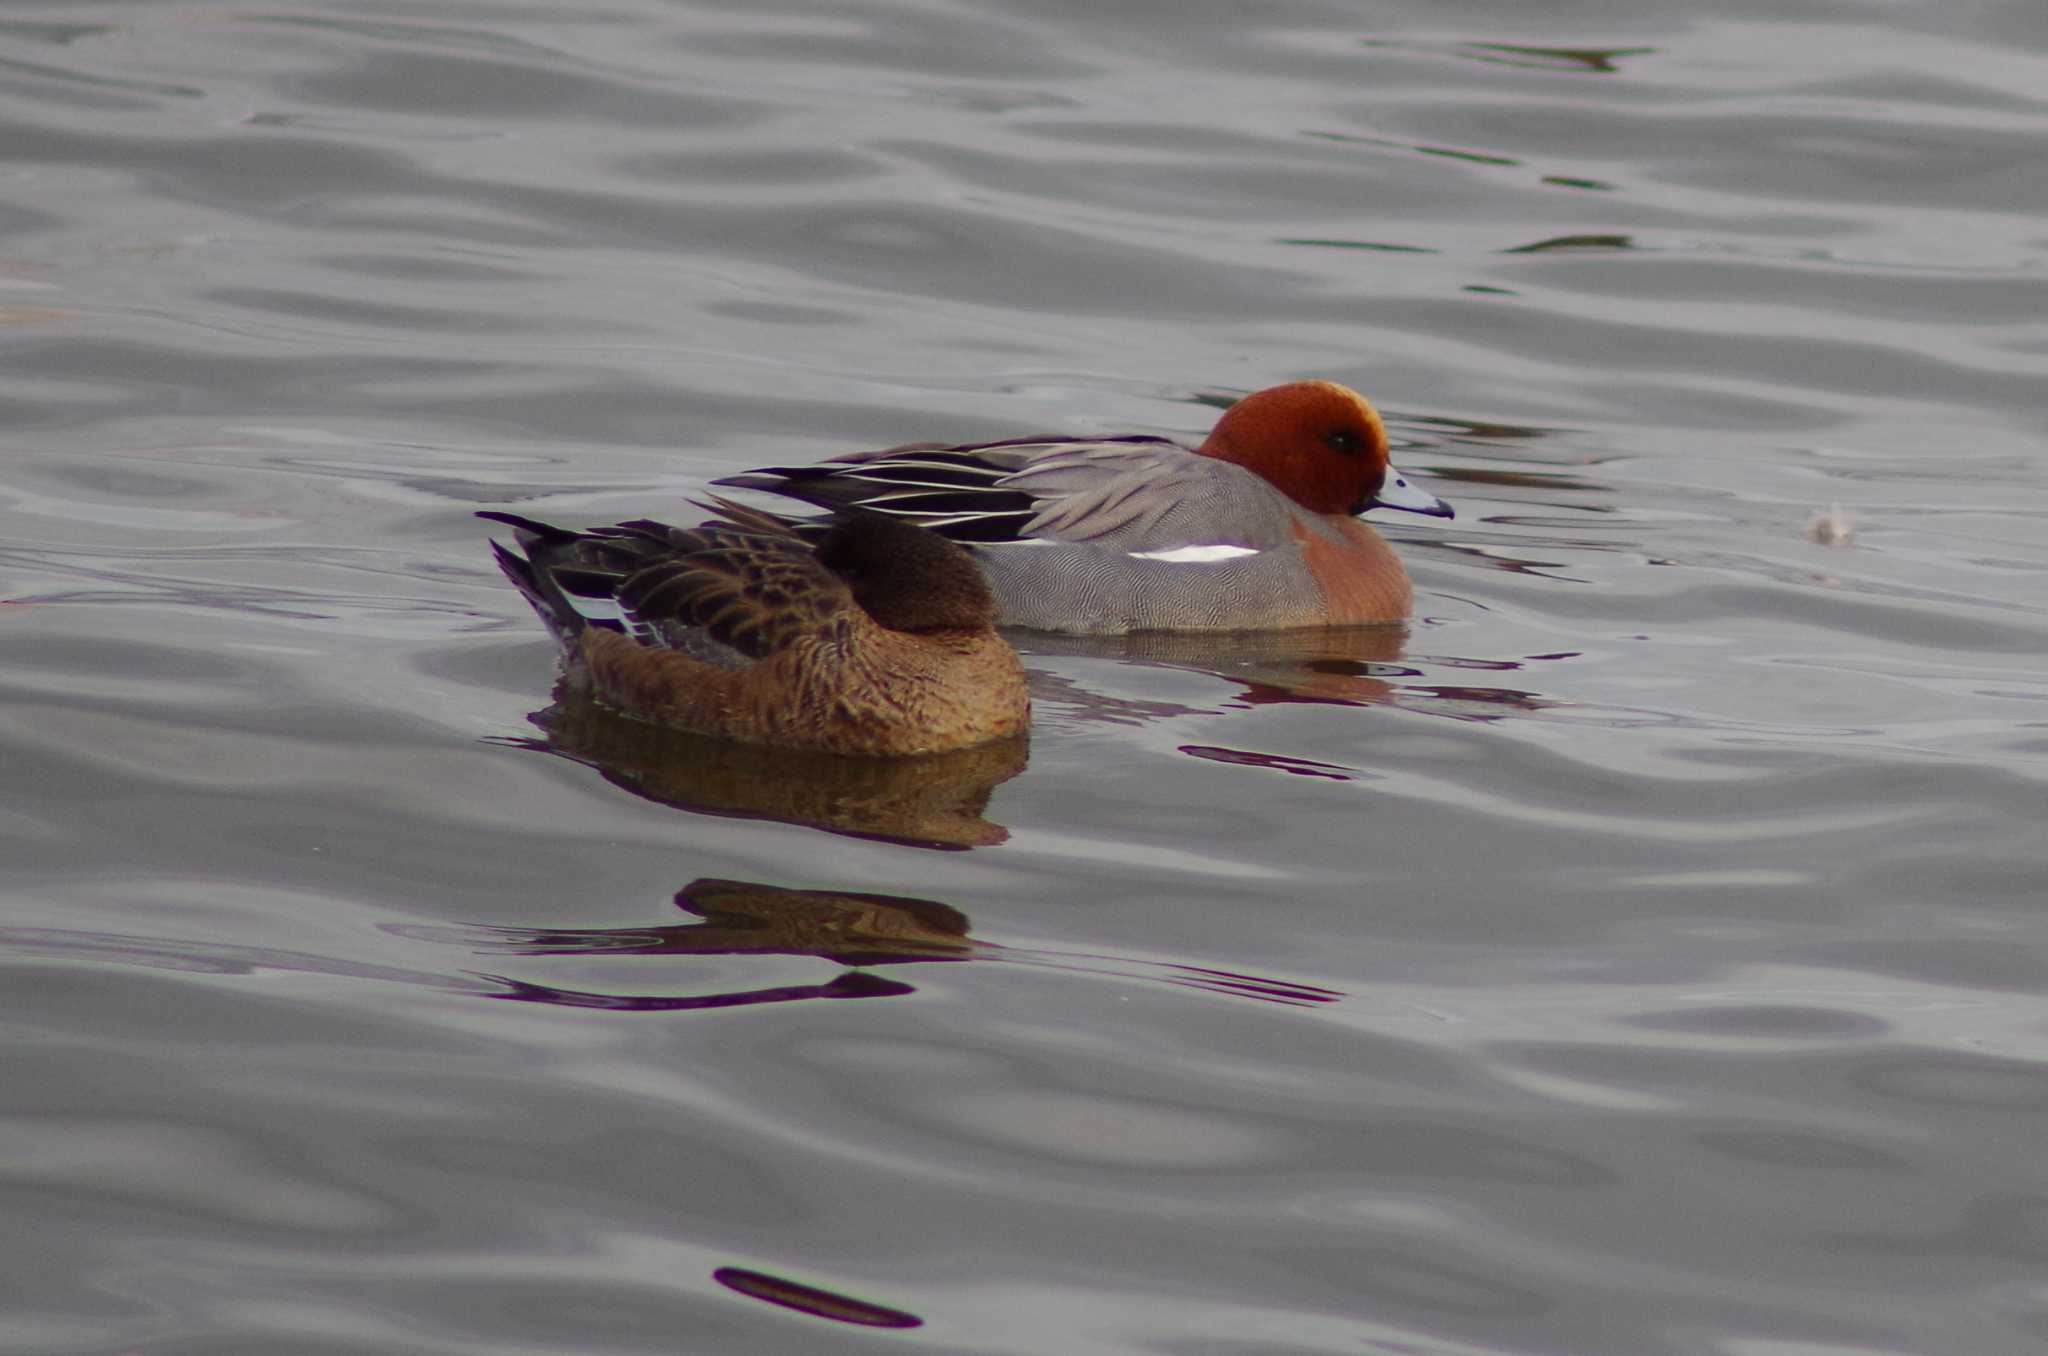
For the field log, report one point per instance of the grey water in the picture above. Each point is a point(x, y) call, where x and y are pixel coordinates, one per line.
point(1644, 952)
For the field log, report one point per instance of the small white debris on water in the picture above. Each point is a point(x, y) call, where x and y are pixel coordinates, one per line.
point(1832, 526)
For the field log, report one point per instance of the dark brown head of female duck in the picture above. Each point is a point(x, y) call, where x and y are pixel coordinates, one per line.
point(908, 578)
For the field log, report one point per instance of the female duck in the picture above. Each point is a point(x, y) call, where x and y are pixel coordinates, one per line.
point(880, 640)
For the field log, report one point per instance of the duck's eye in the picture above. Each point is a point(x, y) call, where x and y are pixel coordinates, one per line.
point(1345, 441)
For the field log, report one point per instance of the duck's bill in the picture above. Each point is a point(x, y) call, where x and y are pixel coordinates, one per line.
point(1397, 493)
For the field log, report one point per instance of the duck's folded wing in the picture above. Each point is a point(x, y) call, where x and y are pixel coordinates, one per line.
point(1160, 501)
point(754, 591)
point(957, 491)
point(1137, 494)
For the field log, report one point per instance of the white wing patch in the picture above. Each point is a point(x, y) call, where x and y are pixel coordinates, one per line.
point(611, 611)
point(1183, 555)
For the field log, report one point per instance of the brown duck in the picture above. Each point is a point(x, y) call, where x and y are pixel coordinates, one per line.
point(880, 639)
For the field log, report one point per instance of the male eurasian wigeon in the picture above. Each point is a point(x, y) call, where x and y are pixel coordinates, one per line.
point(1255, 530)
point(880, 640)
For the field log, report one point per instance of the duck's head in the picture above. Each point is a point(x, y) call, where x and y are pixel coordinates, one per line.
point(1322, 445)
point(908, 578)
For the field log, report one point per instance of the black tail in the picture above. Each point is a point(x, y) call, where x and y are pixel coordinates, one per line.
point(551, 554)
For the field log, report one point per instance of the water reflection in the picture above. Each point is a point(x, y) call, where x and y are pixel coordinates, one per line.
point(742, 918)
point(852, 984)
point(1457, 429)
point(849, 928)
point(809, 1299)
point(1356, 666)
point(1347, 667)
point(933, 801)
point(1603, 61)
point(1581, 60)
point(1596, 241)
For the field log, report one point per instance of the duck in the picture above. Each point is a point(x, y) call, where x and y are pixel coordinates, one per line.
point(1257, 529)
point(868, 636)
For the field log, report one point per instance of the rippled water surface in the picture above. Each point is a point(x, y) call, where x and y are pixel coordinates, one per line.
point(1644, 952)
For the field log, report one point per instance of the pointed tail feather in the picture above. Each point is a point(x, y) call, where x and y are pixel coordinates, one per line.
point(551, 551)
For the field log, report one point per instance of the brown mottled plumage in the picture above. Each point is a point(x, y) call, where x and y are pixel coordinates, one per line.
point(880, 640)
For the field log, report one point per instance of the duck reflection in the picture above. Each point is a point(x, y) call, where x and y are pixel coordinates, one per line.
point(935, 800)
point(852, 929)
point(1355, 666)
point(1348, 666)
point(745, 918)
